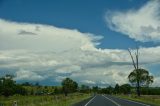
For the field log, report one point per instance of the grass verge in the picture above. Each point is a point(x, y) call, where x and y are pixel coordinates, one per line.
point(148, 99)
point(56, 100)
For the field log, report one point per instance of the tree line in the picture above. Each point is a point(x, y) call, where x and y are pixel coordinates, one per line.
point(9, 87)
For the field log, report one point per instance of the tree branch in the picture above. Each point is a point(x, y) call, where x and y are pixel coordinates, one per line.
point(137, 58)
point(132, 59)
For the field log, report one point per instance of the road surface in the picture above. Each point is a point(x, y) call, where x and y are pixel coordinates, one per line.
point(107, 100)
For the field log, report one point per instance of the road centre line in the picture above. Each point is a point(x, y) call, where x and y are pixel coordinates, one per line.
point(111, 100)
point(89, 101)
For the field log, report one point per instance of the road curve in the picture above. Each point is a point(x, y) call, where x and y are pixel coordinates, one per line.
point(107, 100)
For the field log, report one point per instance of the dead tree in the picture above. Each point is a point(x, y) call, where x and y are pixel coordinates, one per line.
point(136, 67)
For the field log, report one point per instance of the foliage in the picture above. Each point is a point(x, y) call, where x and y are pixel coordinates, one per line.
point(26, 84)
point(150, 91)
point(9, 87)
point(69, 86)
point(142, 76)
point(117, 89)
point(139, 77)
point(84, 89)
point(95, 89)
point(125, 89)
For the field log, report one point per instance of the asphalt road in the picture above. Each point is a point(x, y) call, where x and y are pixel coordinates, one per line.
point(107, 100)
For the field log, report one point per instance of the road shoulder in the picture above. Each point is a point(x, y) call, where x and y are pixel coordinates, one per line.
point(82, 103)
point(133, 101)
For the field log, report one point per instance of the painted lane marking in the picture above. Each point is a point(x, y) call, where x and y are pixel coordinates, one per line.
point(89, 101)
point(112, 101)
point(133, 101)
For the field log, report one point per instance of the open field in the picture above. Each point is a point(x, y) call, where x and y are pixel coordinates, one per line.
point(150, 99)
point(57, 100)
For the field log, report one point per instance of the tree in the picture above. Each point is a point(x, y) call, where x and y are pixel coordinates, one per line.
point(139, 76)
point(84, 89)
point(69, 86)
point(9, 87)
point(18, 89)
point(116, 89)
point(107, 90)
point(125, 88)
point(37, 84)
point(149, 80)
point(57, 90)
point(95, 89)
point(110, 90)
point(1, 85)
point(26, 84)
point(74, 86)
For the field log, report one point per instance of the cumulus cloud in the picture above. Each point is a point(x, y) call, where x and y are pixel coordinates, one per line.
point(28, 75)
point(88, 82)
point(156, 81)
point(55, 53)
point(141, 24)
point(47, 37)
point(104, 76)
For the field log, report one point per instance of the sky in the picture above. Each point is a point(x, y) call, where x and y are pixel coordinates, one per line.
point(46, 41)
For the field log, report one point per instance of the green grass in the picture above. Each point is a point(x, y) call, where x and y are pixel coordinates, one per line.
point(149, 99)
point(57, 100)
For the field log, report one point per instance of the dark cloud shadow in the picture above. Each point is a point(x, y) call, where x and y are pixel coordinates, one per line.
point(23, 32)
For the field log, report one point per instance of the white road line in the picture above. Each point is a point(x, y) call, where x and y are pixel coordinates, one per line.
point(134, 101)
point(89, 101)
point(112, 101)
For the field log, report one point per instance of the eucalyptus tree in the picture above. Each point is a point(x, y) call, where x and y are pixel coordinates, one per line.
point(139, 77)
point(69, 86)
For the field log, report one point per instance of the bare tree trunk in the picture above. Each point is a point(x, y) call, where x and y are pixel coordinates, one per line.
point(137, 59)
point(138, 89)
point(138, 83)
point(132, 59)
point(136, 67)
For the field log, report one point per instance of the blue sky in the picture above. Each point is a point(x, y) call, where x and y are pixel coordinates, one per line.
point(86, 16)
point(101, 28)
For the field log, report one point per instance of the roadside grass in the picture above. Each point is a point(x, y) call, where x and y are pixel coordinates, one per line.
point(148, 99)
point(48, 100)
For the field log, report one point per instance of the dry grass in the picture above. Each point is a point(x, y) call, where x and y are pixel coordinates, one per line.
point(57, 100)
point(149, 99)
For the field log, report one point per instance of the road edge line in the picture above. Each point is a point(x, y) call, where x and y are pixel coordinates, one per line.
point(111, 100)
point(89, 101)
point(134, 101)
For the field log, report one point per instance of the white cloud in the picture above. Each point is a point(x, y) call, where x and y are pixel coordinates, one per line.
point(28, 75)
point(68, 69)
point(156, 81)
point(26, 36)
point(108, 66)
point(141, 24)
point(38, 52)
point(88, 82)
